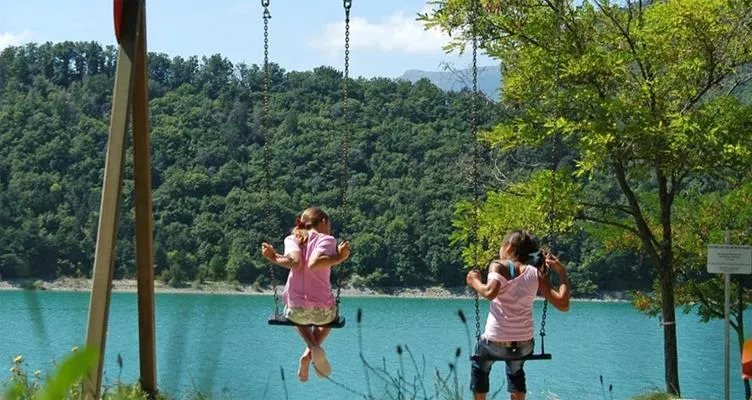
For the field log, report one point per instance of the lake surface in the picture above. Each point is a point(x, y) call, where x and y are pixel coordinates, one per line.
point(222, 345)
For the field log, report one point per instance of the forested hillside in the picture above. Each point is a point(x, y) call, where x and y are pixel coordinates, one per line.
point(489, 79)
point(409, 156)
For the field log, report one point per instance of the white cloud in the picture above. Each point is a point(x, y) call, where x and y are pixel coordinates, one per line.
point(400, 32)
point(8, 39)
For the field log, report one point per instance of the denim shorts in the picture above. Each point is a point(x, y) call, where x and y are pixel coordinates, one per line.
point(481, 369)
point(311, 316)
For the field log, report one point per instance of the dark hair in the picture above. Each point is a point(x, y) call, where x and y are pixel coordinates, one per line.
point(308, 220)
point(524, 248)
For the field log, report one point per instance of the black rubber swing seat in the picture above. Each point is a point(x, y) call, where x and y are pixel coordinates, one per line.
point(529, 357)
point(280, 320)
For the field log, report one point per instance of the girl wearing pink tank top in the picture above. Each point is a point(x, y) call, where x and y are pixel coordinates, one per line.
point(512, 285)
point(310, 253)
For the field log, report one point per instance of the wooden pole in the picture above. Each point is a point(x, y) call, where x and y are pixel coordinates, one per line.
point(109, 212)
point(144, 235)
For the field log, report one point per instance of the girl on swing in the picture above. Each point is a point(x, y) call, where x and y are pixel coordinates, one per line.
point(310, 252)
point(513, 282)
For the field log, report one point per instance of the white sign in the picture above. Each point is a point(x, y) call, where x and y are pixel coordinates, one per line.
point(729, 259)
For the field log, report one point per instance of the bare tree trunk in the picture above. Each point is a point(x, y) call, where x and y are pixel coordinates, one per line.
point(668, 305)
point(662, 255)
point(670, 353)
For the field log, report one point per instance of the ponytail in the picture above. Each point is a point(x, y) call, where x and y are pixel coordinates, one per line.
point(300, 231)
point(309, 219)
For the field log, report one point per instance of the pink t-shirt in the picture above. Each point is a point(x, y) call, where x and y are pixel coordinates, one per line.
point(510, 315)
point(305, 287)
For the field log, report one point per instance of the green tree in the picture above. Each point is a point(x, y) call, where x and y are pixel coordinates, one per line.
point(644, 91)
point(700, 221)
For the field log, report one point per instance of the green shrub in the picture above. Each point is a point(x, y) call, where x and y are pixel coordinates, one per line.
point(65, 383)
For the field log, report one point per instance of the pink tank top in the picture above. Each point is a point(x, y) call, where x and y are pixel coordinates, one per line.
point(510, 315)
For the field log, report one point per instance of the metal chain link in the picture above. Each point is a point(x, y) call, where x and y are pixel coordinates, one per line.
point(475, 174)
point(555, 158)
point(345, 141)
point(265, 127)
point(477, 316)
point(543, 327)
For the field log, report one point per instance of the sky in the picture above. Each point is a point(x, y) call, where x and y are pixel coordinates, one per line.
point(386, 39)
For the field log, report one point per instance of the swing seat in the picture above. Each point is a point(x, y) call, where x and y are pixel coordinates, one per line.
point(529, 357)
point(280, 320)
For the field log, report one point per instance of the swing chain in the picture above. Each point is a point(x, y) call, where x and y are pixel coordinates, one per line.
point(265, 127)
point(339, 288)
point(475, 169)
point(554, 165)
point(345, 114)
point(542, 332)
point(346, 140)
point(265, 118)
point(477, 317)
point(474, 134)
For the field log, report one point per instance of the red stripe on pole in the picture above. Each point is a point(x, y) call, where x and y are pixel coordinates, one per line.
point(118, 15)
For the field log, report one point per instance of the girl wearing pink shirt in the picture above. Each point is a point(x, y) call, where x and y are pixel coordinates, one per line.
point(512, 285)
point(310, 252)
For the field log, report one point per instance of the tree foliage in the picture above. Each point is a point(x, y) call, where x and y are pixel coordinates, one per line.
point(646, 94)
point(408, 141)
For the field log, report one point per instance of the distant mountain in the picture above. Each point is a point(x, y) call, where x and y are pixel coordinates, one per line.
point(489, 79)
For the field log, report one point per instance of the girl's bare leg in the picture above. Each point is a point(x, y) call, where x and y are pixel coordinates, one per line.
point(320, 363)
point(305, 360)
point(313, 337)
point(306, 333)
point(320, 333)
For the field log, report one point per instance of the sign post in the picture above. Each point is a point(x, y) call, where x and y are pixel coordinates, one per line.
point(728, 259)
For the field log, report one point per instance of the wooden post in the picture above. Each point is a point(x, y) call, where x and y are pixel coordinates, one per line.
point(109, 212)
point(144, 238)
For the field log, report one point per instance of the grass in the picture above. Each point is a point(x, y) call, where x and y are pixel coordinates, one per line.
point(65, 382)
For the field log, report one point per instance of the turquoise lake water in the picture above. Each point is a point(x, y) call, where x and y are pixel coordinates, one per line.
point(222, 345)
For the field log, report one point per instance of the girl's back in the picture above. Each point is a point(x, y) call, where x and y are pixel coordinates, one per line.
point(308, 287)
point(510, 314)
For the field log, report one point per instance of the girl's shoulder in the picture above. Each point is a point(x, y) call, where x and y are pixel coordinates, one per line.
point(498, 264)
point(532, 271)
point(292, 241)
point(314, 236)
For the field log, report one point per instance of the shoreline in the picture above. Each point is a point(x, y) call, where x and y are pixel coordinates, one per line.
point(224, 288)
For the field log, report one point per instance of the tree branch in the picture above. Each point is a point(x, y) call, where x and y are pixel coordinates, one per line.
point(651, 244)
point(609, 206)
point(704, 90)
point(509, 32)
point(628, 228)
point(739, 83)
point(706, 303)
point(676, 181)
point(627, 37)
